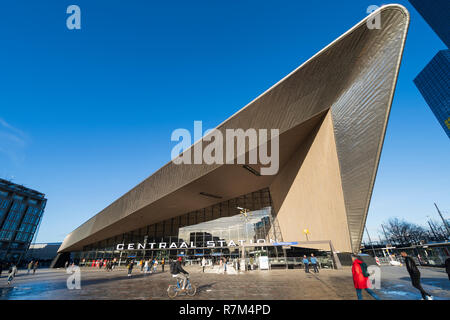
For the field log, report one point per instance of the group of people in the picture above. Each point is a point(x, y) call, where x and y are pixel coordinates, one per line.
point(101, 263)
point(311, 261)
point(362, 282)
point(32, 265)
point(12, 269)
point(176, 268)
point(146, 266)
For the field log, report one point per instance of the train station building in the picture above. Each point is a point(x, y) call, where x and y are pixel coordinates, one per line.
point(331, 115)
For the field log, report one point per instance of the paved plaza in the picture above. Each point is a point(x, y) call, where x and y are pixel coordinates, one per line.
point(252, 285)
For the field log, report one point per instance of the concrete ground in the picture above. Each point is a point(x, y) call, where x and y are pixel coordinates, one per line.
point(252, 285)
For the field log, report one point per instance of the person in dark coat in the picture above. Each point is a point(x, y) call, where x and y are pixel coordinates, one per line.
point(447, 267)
point(35, 266)
point(414, 274)
point(130, 268)
point(177, 271)
point(361, 280)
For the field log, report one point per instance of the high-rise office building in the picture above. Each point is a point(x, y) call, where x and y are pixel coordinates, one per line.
point(21, 211)
point(433, 81)
point(434, 85)
point(437, 15)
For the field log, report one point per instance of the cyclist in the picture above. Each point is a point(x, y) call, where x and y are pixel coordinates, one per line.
point(178, 272)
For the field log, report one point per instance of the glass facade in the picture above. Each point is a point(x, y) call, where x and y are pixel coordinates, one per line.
point(21, 211)
point(437, 14)
point(236, 229)
point(434, 85)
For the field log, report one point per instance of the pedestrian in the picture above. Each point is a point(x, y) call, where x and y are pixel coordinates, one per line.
point(12, 273)
point(163, 262)
point(146, 267)
point(203, 264)
point(155, 265)
point(35, 266)
point(224, 265)
point(141, 264)
point(150, 264)
point(361, 278)
point(30, 266)
point(447, 267)
point(414, 274)
point(306, 263)
point(130, 268)
point(66, 264)
point(314, 263)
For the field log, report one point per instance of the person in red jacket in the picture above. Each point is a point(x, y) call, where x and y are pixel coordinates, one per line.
point(360, 280)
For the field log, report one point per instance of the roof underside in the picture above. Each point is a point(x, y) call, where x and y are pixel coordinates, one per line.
point(354, 76)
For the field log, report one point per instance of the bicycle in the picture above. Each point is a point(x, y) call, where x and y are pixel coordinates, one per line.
point(173, 290)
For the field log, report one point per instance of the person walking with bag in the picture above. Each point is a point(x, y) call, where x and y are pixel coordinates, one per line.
point(361, 278)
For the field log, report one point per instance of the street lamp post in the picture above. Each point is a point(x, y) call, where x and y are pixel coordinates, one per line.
point(306, 232)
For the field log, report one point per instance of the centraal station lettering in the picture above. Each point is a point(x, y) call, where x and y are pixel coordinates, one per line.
point(173, 245)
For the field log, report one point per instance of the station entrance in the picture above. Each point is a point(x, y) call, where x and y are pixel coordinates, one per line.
point(243, 231)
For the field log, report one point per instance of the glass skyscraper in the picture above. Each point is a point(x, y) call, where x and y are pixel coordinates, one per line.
point(434, 80)
point(21, 211)
point(437, 15)
point(434, 85)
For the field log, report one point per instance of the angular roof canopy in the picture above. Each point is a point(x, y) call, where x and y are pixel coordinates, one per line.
point(354, 77)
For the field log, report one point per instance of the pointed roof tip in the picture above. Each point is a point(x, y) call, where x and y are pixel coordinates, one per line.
point(396, 6)
point(391, 6)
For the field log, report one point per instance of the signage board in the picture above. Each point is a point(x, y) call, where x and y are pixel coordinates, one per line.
point(264, 263)
point(285, 243)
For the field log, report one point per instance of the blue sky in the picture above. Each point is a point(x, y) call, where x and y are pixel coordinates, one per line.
point(85, 115)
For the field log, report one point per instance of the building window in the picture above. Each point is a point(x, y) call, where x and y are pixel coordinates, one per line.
point(17, 197)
